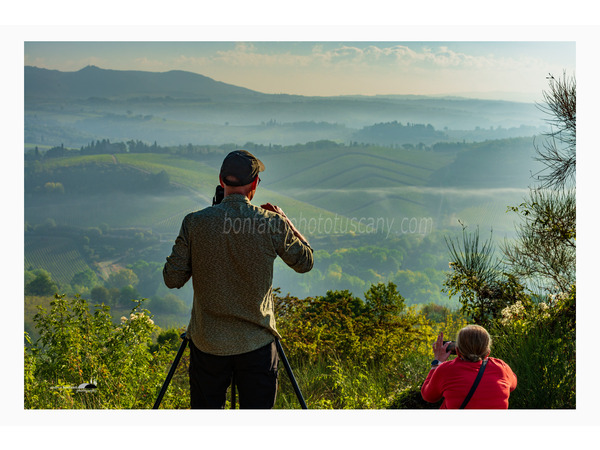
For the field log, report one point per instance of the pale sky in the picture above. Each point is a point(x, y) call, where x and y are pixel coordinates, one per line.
point(485, 69)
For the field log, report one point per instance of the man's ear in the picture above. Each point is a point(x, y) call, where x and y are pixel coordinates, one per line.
point(221, 182)
point(254, 184)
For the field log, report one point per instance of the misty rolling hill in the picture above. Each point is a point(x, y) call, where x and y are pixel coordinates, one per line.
point(359, 206)
point(177, 108)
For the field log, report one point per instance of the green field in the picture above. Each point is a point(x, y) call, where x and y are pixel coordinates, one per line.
point(195, 181)
point(394, 185)
point(60, 257)
point(201, 180)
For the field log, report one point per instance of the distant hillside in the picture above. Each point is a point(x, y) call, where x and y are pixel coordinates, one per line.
point(177, 107)
point(91, 81)
point(490, 164)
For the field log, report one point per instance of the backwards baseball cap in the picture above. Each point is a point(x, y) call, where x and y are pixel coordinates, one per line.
point(242, 165)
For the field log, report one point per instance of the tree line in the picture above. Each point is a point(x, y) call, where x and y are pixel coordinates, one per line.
point(392, 134)
point(92, 178)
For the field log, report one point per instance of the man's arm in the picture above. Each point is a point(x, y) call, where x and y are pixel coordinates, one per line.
point(278, 210)
point(178, 268)
point(291, 246)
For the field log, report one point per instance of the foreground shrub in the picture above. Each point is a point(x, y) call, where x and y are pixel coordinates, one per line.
point(78, 347)
point(347, 353)
point(538, 342)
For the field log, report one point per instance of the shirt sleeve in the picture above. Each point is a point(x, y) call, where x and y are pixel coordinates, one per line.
point(431, 390)
point(178, 268)
point(295, 253)
point(512, 378)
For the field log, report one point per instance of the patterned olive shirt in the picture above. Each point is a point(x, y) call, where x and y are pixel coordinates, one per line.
point(229, 250)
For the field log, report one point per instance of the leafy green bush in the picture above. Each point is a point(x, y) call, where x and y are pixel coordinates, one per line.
point(538, 342)
point(352, 354)
point(78, 346)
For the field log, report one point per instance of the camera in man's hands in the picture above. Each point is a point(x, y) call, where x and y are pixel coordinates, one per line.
point(451, 347)
point(219, 195)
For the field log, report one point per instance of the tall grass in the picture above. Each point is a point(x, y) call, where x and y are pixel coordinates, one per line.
point(541, 352)
point(338, 384)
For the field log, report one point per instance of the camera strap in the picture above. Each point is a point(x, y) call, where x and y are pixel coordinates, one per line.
point(475, 383)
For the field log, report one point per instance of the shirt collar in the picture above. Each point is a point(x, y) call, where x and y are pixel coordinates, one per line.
point(236, 198)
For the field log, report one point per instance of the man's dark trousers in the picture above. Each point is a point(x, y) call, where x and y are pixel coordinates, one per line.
point(255, 378)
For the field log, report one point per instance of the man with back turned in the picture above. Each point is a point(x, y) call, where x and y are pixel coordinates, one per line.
point(228, 250)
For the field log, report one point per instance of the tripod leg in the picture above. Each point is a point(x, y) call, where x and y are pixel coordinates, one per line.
point(288, 369)
point(232, 391)
point(171, 372)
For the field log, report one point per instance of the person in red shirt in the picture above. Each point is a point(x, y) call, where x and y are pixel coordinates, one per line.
point(453, 379)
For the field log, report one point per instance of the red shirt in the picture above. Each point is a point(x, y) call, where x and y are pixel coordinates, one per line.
point(453, 380)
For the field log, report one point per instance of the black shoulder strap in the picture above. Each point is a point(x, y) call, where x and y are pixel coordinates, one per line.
point(475, 383)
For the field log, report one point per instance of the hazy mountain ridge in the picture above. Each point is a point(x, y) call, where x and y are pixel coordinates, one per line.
point(92, 81)
point(177, 107)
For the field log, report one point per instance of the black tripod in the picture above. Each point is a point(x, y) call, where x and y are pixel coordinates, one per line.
point(286, 364)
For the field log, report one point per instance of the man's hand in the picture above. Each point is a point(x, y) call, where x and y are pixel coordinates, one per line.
point(278, 210)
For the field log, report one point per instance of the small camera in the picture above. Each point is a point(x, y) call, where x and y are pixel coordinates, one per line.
point(219, 194)
point(451, 347)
